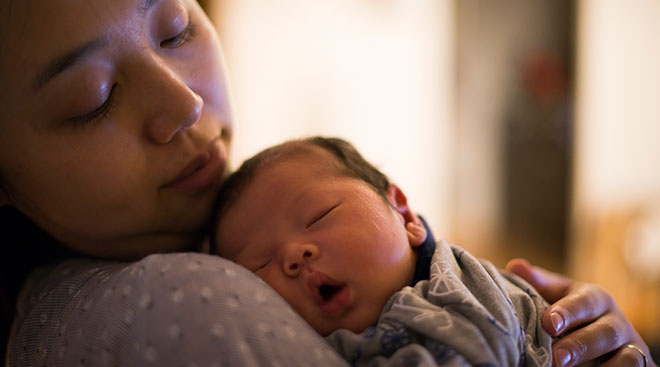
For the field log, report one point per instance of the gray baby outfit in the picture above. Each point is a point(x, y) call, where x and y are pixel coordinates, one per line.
point(466, 314)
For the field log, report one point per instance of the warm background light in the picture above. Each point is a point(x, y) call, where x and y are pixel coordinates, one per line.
point(617, 175)
point(378, 73)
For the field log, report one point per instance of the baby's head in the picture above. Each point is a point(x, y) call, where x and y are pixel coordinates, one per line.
point(323, 227)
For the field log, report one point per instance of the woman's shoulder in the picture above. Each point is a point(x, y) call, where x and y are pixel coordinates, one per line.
point(84, 278)
point(164, 309)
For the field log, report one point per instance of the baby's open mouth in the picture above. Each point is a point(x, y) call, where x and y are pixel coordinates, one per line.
point(331, 296)
point(328, 291)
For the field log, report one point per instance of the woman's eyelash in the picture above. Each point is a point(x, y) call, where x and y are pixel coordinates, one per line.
point(180, 38)
point(98, 113)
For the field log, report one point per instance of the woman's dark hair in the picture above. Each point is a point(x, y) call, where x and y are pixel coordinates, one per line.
point(348, 160)
point(24, 247)
point(204, 4)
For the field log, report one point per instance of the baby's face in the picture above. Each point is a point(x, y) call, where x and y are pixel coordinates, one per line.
point(329, 244)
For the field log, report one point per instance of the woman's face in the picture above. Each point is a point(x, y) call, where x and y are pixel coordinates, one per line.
point(115, 121)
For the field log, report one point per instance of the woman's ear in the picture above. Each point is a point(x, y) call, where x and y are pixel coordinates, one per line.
point(414, 226)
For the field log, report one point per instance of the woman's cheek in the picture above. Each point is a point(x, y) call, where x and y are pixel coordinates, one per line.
point(206, 68)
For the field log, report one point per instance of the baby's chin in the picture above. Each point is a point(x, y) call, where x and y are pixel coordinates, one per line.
point(353, 323)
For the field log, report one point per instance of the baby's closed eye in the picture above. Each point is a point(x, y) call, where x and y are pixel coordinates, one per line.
point(260, 267)
point(321, 215)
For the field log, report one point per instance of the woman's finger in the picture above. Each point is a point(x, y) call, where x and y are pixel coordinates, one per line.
point(551, 286)
point(583, 304)
point(599, 328)
point(629, 357)
point(606, 334)
point(573, 303)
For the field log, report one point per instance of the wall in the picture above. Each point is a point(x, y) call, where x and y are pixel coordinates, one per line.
point(378, 73)
point(617, 174)
point(512, 92)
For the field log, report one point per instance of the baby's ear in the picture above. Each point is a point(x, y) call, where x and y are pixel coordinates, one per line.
point(414, 226)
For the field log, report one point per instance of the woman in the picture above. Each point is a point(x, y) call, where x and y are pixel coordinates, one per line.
point(114, 138)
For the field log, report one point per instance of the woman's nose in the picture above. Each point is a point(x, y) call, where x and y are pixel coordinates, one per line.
point(174, 106)
point(297, 256)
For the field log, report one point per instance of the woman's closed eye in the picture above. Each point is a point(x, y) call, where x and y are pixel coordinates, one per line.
point(101, 111)
point(321, 215)
point(181, 38)
point(98, 113)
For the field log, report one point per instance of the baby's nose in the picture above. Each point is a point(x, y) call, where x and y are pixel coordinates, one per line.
point(297, 256)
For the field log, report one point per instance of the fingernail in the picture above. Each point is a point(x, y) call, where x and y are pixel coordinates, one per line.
point(557, 321)
point(562, 357)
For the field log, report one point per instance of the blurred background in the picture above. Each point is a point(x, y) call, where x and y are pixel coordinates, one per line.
point(516, 127)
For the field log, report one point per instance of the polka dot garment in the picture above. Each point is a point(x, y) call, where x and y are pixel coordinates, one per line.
point(164, 310)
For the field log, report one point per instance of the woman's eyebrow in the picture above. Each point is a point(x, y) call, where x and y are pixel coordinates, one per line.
point(60, 64)
point(147, 4)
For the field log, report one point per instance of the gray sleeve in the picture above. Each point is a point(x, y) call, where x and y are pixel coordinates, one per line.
point(165, 310)
point(466, 314)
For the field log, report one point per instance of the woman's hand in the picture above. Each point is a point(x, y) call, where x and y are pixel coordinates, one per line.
point(589, 322)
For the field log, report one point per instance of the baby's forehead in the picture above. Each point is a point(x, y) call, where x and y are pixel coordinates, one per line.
point(289, 167)
point(309, 156)
point(274, 186)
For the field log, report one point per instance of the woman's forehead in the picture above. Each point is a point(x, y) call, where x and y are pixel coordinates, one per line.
point(36, 32)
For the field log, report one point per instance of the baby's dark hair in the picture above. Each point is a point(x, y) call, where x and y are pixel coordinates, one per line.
point(349, 162)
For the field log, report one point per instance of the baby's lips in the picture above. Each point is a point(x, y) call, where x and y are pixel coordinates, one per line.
point(339, 299)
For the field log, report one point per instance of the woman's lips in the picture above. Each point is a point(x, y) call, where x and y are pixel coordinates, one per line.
point(339, 299)
point(202, 171)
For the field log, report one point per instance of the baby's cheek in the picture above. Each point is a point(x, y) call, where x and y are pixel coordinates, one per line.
point(363, 318)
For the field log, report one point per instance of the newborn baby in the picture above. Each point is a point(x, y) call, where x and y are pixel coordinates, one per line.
point(338, 241)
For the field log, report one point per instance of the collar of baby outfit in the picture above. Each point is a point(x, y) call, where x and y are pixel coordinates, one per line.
point(424, 255)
